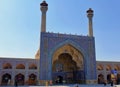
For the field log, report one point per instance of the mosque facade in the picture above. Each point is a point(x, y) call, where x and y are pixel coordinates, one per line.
point(61, 58)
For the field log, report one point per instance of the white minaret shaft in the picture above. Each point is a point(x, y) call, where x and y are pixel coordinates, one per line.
point(90, 15)
point(43, 8)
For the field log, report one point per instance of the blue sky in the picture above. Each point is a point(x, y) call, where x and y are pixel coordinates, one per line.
point(20, 25)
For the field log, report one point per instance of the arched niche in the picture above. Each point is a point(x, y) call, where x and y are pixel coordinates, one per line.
point(100, 79)
point(20, 66)
point(32, 66)
point(7, 66)
point(108, 68)
point(67, 64)
point(99, 67)
point(19, 79)
point(75, 54)
point(116, 67)
point(5, 79)
point(32, 79)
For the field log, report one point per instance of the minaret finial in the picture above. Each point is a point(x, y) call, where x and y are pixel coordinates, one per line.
point(90, 15)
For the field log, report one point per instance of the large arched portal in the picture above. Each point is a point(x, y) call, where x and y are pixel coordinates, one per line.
point(67, 65)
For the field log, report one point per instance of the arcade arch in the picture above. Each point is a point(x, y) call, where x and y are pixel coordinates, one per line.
point(100, 79)
point(100, 67)
point(116, 67)
point(5, 79)
point(19, 78)
point(77, 56)
point(7, 66)
point(32, 79)
point(33, 66)
point(108, 68)
point(20, 66)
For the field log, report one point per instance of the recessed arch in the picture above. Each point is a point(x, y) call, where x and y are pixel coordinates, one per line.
point(108, 68)
point(32, 79)
point(32, 66)
point(116, 67)
point(19, 78)
point(100, 79)
point(5, 78)
point(72, 43)
point(76, 56)
point(20, 66)
point(99, 67)
point(7, 66)
point(64, 63)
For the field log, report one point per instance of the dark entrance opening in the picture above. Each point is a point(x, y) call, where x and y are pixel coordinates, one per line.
point(59, 79)
point(65, 70)
point(100, 79)
point(109, 78)
point(32, 79)
point(19, 78)
point(5, 79)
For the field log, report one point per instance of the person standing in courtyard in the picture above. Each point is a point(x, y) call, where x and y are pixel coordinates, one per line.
point(16, 83)
point(111, 83)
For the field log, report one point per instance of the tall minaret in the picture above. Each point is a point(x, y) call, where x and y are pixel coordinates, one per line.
point(90, 15)
point(43, 8)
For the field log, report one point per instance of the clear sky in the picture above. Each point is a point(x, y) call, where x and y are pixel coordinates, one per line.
point(20, 25)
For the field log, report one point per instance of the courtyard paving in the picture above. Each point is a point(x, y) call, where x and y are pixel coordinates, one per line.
point(71, 85)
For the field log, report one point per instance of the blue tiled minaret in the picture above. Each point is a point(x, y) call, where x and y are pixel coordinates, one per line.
point(43, 8)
